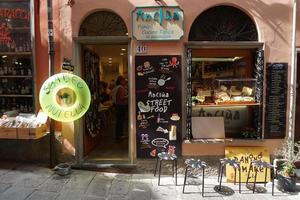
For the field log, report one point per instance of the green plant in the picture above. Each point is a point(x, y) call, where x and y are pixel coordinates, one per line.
point(249, 133)
point(288, 169)
point(289, 153)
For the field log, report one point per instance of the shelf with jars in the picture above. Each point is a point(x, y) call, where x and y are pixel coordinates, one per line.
point(16, 66)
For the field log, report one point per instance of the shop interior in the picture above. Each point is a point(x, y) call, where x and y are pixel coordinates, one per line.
point(102, 64)
point(223, 94)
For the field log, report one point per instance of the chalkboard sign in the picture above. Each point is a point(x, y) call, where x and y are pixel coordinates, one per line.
point(276, 100)
point(158, 105)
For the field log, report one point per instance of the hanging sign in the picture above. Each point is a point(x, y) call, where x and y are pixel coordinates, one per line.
point(157, 23)
point(65, 97)
point(245, 155)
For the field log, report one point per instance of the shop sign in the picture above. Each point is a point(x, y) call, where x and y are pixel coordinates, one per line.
point(245, 155)
point(157, 23)
point(234, 117)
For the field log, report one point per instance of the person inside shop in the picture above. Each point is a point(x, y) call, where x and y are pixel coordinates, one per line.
point(111, 86)
point(104, 96)
point(120, 101)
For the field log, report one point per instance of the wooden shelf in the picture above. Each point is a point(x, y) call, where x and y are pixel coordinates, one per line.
point(16, 53)
point(16, 76)
point(16, 95)
point(225, 105)
point(20, 28)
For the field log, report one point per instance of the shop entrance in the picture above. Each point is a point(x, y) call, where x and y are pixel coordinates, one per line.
point(101, 56)
point(105, 70)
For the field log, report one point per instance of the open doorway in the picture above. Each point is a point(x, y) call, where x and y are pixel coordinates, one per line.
point(102, 67)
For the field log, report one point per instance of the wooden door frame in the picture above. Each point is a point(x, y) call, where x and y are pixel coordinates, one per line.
point(78, 124)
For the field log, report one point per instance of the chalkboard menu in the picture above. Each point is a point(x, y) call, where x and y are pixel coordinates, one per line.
point(158, 105)
point(276, 100)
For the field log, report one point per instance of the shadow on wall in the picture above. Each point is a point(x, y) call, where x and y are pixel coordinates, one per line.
point(275, 15)
point(35, 151)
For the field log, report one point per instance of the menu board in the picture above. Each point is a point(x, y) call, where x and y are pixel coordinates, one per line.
point(158, 105)
point(276, 100)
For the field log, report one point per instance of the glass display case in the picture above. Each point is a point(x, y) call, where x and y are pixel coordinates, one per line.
point(225, 91)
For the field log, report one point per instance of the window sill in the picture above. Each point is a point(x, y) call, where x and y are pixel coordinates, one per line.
point(218, 141)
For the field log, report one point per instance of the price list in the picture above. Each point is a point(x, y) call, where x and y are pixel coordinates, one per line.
point(276, 100)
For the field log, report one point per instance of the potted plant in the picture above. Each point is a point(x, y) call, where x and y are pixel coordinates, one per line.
point(287, 156)
point(249, 133)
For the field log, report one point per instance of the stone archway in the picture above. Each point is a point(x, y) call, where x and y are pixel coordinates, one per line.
point(103, 23)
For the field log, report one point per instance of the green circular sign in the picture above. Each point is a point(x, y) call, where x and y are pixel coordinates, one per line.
point(65, 97)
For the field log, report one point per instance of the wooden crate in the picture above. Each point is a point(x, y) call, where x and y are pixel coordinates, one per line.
point(32, 133)
point(38, 132)
point(8, 133)
point(23, 133)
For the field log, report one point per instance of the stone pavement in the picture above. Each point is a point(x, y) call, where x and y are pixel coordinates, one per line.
point(36, 182)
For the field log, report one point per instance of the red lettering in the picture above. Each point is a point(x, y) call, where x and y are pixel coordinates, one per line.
point(15, 13)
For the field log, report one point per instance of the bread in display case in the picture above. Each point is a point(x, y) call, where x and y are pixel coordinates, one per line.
point(225, 91)
point(240, 91)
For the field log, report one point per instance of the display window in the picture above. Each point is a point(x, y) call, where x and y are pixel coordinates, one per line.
point(223, 94)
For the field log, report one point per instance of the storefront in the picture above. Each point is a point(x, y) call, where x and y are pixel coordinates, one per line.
point(201, 75)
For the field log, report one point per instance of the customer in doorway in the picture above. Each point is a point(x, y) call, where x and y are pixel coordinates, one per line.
point(120, 101)
point(104, 96)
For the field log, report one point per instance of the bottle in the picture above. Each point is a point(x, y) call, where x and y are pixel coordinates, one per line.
point(172, 133)
point(139, 117)
point(158, 118)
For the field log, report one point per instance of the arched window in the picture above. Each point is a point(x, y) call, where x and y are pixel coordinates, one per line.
point(223, 23)
point(103, 23)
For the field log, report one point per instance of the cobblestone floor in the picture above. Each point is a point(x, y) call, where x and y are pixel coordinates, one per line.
point(36, 182)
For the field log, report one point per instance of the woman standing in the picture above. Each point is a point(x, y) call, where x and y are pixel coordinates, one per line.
point(120, 101)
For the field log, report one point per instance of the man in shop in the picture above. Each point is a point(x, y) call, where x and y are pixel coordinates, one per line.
point(120, 101)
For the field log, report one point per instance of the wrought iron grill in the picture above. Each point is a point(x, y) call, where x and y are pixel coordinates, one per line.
point(103, 23)
point(223, 23)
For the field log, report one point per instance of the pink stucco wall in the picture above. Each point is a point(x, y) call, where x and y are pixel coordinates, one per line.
point(273, 19)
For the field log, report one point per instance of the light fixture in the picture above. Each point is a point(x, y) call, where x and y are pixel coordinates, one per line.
point(4, 56)
point(122, 54)
point(110, 62)
point(123, 49)
point(109, 58)
point(126, 33)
